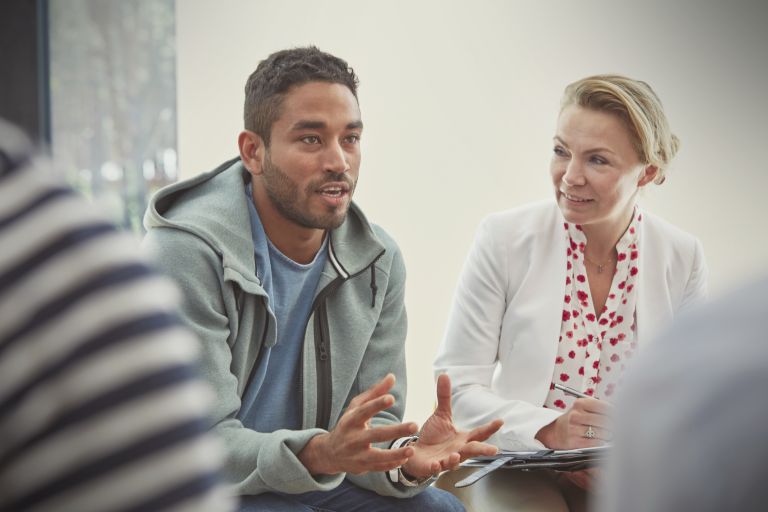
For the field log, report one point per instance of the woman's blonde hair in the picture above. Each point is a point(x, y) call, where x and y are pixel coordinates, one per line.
point(635, 103)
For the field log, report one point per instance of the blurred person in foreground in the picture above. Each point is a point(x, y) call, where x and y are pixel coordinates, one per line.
point(567, 291)
point(100, 405)
point(692, 416)
point(298, 301)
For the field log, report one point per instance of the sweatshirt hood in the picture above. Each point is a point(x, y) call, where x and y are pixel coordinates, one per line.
point(212, 206)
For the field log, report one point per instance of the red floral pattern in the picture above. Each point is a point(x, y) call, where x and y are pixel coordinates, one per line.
point(583, 360)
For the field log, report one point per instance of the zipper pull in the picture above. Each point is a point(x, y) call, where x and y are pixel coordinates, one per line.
point(374, 288)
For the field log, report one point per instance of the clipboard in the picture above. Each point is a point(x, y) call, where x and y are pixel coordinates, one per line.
point(556, 460)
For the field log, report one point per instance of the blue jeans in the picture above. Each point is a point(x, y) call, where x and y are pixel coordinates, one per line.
point(348, 497)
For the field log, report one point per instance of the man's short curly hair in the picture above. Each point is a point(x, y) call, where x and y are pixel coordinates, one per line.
point(278, 73)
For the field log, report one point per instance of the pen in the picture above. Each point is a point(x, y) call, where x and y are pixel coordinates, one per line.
point(572, 391)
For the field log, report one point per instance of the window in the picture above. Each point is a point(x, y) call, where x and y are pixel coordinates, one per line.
point(113, 100)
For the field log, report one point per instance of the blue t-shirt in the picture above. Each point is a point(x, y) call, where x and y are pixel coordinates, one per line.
point(272, 400)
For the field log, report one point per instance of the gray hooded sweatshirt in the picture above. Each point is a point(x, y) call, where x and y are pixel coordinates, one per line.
point(198, 231)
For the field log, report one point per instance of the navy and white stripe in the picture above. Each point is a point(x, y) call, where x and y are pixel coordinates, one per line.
point(100, 405)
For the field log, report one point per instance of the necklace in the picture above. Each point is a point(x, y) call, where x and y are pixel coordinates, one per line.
point(600, 266)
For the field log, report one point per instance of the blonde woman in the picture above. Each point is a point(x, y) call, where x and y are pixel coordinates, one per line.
point(568, 291)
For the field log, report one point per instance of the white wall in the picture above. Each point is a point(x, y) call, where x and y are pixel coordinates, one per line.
point(459, 100)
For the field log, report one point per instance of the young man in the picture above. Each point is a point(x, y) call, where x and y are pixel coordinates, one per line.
point(298, 301)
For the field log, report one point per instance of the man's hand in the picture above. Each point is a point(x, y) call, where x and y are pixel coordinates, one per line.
point(568, 431)
point(347, 448)
point(440, 446)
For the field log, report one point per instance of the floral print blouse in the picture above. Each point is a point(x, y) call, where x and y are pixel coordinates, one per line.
point(594, 347)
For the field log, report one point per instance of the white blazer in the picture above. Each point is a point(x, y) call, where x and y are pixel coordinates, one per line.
point(501, 340)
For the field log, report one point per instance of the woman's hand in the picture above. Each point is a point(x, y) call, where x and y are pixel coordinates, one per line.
point(571, 429)
point(586, 479)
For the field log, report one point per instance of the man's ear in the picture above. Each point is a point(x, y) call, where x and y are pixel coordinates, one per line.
point(252, 151)
point(648, 175)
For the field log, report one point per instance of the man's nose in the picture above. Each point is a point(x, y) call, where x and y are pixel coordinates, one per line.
point(336, 159)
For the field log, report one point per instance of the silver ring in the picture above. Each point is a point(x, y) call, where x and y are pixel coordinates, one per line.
point(590, 433)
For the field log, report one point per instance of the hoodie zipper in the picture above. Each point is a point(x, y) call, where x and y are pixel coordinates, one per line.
point(252, 373)
point(322, 338)
point(323, 356)
point(323, 347)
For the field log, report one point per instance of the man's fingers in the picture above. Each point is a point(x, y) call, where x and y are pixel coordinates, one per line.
point(423, 468)
point(365, 411)
point(380, 460)
point(483, 432)
point(388, 465)
point(451, 462)
point(378, 389)
point(391, 432)
point(452, 459)
point(385, 456)
point(444, 394)
point(477, 449)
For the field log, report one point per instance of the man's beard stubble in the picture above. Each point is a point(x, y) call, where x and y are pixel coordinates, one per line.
point(285, 196)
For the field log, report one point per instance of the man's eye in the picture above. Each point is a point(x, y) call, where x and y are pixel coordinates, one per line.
point(311, 139)
point(352, 139)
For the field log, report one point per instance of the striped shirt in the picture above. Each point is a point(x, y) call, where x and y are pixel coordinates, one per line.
point(100, 405)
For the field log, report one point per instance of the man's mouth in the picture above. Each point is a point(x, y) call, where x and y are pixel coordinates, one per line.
point(334, 189)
